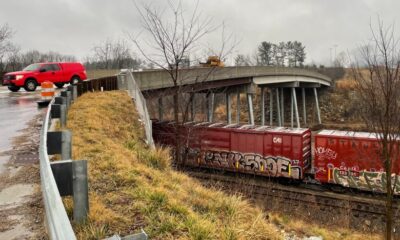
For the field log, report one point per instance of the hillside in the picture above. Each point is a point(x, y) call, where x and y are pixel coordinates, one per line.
point(133, 187)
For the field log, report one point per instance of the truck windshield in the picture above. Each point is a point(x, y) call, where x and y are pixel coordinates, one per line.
point(32, 67)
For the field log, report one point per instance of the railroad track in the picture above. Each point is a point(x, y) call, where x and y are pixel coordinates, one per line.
point(361, 211)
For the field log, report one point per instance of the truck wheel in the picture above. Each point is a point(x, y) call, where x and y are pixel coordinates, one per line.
point(75, 80)
point(13, 88)
point(30, 85)
point(59, 85)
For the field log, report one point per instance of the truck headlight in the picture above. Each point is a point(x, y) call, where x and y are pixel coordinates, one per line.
point(18, 77)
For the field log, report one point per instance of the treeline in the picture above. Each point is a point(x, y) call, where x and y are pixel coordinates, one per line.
point(17, 60)
point(290, 54)
point(113, 55)
point(106, 55)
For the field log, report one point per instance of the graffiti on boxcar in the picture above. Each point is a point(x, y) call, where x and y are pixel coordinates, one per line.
point(364, 180)
point(270, 165)
point(325, 153)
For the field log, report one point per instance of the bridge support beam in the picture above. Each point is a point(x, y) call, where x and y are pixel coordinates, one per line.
point(192, 107)
point(282, 109)
point(250, 108)
point(278, 107)
point(262, 106)
point(271, 107)
point(303, 96)
point(238, 106)
point(228, 107)
point(210, 106)
point(296, 107)
point(317, 105)
point(291, 110)
point(160, 109)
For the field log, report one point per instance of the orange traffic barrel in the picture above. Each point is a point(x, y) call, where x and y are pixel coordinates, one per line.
point(47, 91)
point(47, 94)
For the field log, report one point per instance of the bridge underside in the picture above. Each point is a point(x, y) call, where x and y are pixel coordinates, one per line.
point(276, 92)
point(275, 100)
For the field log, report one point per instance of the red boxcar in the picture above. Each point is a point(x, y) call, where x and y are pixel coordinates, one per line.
point(350, 159)
point(278, 152)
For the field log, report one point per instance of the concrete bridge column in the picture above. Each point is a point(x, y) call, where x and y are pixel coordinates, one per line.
point(282, 108)
point(238, 106)
point(303, 95)
point(278, 108)
point(262, 106)
point(250, 108)
point(228, 108)
point(271, 107)
point(192, 106)
point(295, 107)
point(210, 106)
point(160, 109)
point(291, 109)
point(317, 105)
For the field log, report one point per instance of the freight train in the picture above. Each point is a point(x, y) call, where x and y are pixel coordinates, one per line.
point(330, 157)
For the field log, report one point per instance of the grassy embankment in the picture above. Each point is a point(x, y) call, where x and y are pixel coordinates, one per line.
point(133, 187)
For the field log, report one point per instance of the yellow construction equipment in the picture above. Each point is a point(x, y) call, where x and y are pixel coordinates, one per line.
point(213, 61)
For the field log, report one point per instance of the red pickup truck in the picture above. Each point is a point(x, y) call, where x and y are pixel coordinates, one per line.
point(33, 75)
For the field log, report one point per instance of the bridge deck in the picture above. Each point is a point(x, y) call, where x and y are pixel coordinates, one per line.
point(160, 79)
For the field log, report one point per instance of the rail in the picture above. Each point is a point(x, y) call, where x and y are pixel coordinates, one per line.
point(57, 221)
point(127, 81)
point(98, 84)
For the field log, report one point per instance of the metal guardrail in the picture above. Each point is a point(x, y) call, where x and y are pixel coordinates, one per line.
point(126, 81)
point(57, 221)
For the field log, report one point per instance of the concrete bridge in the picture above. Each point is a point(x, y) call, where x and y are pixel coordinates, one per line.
point(279, 81)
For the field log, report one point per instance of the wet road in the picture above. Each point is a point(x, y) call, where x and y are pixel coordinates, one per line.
point(16, 110)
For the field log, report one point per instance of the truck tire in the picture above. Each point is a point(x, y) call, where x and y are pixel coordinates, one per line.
point(30, 85)
point(75, 80)
point(13, 88)
point(59, 85)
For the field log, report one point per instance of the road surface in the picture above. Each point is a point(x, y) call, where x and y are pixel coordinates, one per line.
point(21, 209)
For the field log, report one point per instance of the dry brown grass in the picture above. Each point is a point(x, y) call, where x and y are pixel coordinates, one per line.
point(348, 82)
point(302, 227)
point(133, 187)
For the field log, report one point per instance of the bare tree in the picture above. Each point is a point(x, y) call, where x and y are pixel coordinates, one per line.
point(5, 44)
point(112, 55)
point(242, 60)
point(378, 83)
point(170, 41)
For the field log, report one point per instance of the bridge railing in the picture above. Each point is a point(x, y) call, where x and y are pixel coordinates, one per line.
point(98, 84)
point(154, 79)
point(126, 81)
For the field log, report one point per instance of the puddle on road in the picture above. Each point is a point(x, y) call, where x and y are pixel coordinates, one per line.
point(13, 196)
point(16, 109)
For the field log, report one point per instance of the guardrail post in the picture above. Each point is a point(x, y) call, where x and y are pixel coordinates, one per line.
point(59, 143)
point(62, 101)
point(66, 145)
point(59, 111)
point(67, 96)
point(80, 190)
point(74, 93)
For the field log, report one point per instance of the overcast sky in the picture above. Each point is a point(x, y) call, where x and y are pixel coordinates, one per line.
point(74, 26)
